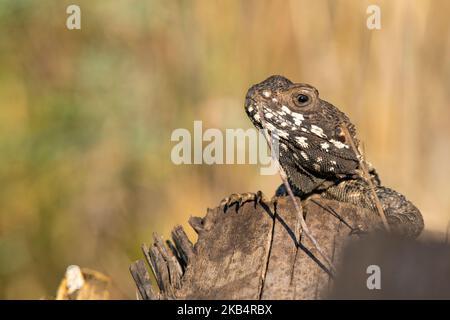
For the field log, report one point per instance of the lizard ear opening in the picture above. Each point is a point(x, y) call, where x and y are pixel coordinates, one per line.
point(340, 135)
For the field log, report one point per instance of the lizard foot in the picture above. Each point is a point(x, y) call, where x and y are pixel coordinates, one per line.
point(239, 199)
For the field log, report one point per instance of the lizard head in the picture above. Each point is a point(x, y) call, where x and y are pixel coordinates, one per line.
point(309, 129)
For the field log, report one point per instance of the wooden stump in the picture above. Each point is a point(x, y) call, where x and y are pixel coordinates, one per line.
point(256, 252)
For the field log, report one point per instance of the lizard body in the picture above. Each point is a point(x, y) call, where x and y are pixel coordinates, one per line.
point(315, 152)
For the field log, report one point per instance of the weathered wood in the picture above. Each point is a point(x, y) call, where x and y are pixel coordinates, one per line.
point(257, 252)
point(234, 249)
point(196, 224)
point(142, 279)
point(183, 244)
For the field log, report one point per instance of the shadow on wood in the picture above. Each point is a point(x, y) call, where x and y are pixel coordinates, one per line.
point(255, 252)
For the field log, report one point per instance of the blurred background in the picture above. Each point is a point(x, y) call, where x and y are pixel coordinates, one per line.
point(86, 115)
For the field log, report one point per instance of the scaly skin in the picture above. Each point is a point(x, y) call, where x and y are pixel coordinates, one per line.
point(315, 153)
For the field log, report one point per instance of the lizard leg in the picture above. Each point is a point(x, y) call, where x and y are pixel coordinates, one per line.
point(239, 199)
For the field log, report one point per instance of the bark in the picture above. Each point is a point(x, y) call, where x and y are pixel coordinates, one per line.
point(256, 252)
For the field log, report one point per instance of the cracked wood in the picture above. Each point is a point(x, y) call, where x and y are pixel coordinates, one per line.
point(256, 252)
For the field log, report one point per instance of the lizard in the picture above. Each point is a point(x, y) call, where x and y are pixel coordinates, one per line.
point(316, 155)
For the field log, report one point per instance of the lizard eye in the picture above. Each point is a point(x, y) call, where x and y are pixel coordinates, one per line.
point(302, 100)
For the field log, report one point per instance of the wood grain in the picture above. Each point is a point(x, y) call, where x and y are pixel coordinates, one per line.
point(255, 252)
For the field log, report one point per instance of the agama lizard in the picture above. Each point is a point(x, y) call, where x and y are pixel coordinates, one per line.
point(316, 155)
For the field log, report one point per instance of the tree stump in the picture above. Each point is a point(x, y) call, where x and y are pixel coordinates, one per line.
point(254, 252)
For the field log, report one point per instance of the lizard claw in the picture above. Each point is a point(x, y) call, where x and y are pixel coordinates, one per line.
point(239, 199)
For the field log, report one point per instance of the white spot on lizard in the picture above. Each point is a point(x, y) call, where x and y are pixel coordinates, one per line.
point(325, 145)
point(302, 142)
point(339, 144)
point(270, 126)
point(317, 131)
point(283, 133)
point(286, 109)
point(297, 116)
